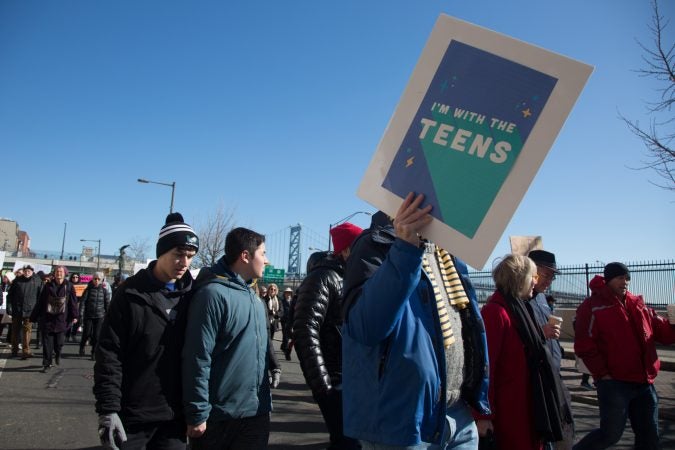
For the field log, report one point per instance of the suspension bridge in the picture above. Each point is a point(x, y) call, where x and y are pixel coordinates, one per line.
point(290, 247)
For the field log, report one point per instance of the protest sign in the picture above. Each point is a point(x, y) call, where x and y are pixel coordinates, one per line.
point(86, 278)
point(79, 289)
point(475, 122)
point(523, 245)
point(18, 264)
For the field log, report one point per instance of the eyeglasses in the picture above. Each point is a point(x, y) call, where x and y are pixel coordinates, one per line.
point(546, 276)
point(545, 273)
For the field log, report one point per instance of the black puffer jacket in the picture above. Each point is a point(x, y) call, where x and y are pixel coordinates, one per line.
point(94, 302)
point(316, 323)
point(138, 357)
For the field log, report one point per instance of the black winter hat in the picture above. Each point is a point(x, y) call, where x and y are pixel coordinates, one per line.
point(176, 233)
point(544, 258)
point(615, 269)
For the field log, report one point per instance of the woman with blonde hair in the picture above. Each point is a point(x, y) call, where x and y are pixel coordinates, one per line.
point(525, 394)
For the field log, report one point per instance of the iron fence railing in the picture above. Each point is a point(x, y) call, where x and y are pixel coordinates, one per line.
point(655, 281)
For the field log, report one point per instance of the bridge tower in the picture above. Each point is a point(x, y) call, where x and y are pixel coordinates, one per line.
point(294, 251)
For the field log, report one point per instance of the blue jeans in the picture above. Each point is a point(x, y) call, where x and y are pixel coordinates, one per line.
point(619, 400)
point(459, 434)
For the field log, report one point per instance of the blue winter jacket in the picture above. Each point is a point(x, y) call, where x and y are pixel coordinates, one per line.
point(393, 356)
point(225, 353)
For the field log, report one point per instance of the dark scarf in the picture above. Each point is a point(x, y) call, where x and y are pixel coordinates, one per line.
point(550, 408)
point(55, 288)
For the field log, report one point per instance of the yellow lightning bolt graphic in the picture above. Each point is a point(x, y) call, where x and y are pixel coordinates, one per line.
point(409, 161)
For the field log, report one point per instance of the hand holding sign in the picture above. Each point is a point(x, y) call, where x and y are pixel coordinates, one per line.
point(410, 219)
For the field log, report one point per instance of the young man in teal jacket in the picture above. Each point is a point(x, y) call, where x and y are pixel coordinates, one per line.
point(226, 388)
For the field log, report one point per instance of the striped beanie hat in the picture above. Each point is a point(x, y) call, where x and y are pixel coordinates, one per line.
point(176, 233)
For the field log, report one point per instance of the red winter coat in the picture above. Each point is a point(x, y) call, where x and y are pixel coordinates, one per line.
point(619, 339)
point(510, 393)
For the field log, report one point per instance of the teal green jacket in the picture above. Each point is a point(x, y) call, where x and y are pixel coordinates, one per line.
point(225, 353)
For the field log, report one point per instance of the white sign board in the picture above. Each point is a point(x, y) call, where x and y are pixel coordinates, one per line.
point(473, 126)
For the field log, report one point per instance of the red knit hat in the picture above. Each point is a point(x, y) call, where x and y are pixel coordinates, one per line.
point(343, 235)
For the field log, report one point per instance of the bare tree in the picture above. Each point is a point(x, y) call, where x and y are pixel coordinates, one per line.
point(138, 248)
point(212, 232)
point(658, 136)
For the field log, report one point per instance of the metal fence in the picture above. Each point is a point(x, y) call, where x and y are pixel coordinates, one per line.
point(655, 281)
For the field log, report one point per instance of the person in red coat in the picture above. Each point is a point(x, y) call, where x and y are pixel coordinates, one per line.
point(616, 336)
point(528, 408)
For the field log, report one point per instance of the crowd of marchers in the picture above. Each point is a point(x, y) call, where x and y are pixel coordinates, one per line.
point(49, 301)
point(389, 335)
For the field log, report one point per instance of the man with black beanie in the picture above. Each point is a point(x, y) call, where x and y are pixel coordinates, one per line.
point(137, 372)
point(616, 336)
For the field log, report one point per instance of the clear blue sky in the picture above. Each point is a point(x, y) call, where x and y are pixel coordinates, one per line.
point(274, 109)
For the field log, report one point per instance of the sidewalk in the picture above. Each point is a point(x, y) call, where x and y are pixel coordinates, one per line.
point(296, 422)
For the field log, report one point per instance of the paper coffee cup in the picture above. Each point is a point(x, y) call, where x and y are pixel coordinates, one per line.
point(671, 313)
point(555, 320)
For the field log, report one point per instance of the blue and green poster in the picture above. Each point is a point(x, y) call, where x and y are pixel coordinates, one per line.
point(467, 134)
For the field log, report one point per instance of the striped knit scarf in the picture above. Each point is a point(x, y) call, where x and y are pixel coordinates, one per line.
point(452, 284)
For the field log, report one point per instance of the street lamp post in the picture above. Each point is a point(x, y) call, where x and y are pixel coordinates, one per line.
point(63, 242)
point(98, 255)
point(172, 185)
point(344, 219)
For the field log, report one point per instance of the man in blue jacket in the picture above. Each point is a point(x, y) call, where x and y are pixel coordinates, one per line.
point(414, 349)
point(226, 389)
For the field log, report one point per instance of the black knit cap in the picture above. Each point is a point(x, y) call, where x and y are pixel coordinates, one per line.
point(176, 233)
point(615, 269)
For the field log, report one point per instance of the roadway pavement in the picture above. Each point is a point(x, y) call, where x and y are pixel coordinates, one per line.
point(56, 410)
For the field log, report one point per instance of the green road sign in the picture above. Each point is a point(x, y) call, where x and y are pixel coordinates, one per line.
point(272, 275)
